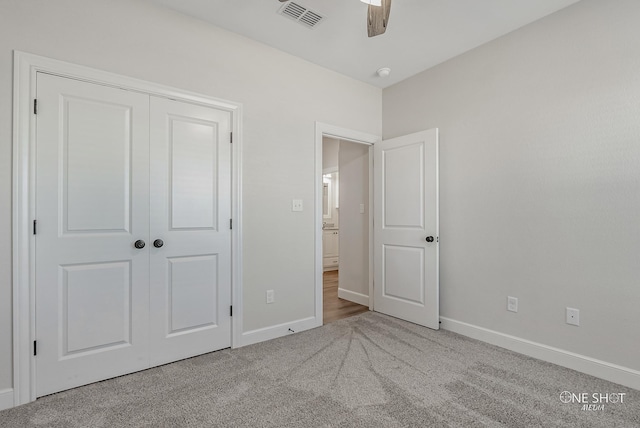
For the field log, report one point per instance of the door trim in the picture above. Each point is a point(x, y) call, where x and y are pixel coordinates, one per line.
point(23, 198)
point(326, 130)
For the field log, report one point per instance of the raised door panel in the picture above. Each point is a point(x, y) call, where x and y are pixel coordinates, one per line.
point(403, 186)
point(95, 155)
point(403, 278)
point(92, 290)
point(99, 293)
point(192, 287)
point(190, 212)
point(193, 151)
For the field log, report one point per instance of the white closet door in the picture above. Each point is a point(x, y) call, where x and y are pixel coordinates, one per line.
point(190, 282)
point(406, 228)
point(91, 206)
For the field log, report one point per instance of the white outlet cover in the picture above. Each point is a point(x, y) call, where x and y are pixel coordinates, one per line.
point(361, 208)
point(573, 316)
point(512, 304)
point(296, 205)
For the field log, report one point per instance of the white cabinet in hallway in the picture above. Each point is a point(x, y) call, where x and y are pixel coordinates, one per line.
point(330, 249)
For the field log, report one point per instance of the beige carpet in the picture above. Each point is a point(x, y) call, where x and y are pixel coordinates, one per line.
point(366, 371)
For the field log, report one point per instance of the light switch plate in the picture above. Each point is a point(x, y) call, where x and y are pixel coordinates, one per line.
point(296, 205)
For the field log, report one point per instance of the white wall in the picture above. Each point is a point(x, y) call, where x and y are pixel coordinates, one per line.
point(137, 39)
point(330, 148)
point(540, 178)
point(354, 226)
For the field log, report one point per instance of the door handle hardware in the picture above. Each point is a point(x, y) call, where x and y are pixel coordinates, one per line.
point(429, 238)
point(158, 243)
point(139, 244)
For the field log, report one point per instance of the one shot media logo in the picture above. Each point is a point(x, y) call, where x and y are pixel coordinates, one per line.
point(593, 401)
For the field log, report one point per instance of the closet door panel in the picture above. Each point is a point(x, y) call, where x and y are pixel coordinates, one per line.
point(190, 212)
point(92, 193)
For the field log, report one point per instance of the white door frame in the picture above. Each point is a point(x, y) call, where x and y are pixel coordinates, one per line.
point(326, 130)
point(24, 92)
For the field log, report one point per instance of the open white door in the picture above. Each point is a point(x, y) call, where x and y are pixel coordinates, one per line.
point(406, 283)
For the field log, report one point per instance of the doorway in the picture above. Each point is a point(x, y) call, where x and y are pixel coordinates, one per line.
point(114, 269)
point(344, 222)
point(404, 245)
point(345, 228)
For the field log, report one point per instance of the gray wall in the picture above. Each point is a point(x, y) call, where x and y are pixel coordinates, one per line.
point(540, 178)
point(135, 38)
point(330, 149)
point(354, 226)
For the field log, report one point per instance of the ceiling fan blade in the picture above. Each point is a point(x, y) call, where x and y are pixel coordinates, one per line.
point(378, 18)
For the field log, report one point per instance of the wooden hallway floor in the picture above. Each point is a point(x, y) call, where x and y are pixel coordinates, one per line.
point(335, 308)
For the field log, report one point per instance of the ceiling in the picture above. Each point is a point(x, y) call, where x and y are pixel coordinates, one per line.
point(420, 34)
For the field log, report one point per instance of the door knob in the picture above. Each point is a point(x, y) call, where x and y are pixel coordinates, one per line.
point(158, 243)
point(429, 238)
point(139, 244)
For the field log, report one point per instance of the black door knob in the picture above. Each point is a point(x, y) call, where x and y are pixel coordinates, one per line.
point(429, 238)
point(139, 244)
point(158, 243)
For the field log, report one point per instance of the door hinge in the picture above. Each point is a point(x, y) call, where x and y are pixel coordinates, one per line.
point(35, 348)
point(35, 106)
point(35, 223)
point(231, 223)
point(231, 311)
point(231, 137)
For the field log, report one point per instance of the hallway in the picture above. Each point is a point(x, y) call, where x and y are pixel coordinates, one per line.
point(335, 308)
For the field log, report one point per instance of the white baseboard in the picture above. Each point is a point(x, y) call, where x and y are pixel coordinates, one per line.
point(352, 296)
point(6, 399)
point(591, 366)
point(273, 332)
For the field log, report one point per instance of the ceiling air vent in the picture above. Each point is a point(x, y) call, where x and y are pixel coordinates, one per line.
point(301, 14)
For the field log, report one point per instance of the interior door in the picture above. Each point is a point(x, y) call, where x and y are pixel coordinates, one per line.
point(92, 187)
point(133, 243)
point(190, 230)
point(406, 228)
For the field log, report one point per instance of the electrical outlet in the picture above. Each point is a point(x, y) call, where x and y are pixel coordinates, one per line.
point(271, 296)
point(512, 304)
point(296, 205)
point(361, 208)
point(573, 316)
